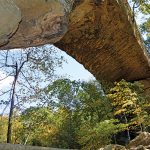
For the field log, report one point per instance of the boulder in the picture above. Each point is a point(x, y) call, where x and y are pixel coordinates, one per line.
point(142, 139)
point(114, 147)
point(23, 147)
point(140, 147)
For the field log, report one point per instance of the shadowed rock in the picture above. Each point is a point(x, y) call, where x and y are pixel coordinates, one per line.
point(143, 139)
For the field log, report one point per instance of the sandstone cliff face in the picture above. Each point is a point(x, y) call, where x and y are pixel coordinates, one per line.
point(8, 26)
point(32, 23)
point(98, 34)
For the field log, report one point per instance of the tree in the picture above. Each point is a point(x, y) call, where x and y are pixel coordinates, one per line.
point(79, 115)
point(85, 104)
point(99, 135)
point(62, 93)
point(3, 128)
point(93, 102)
point(62, 96)
point(143, 7)
point(16, 69)
point(97, 121)
point(30, 68)
point(68, 124)
point(44, 127)
point(37, 126)
point(127, 105)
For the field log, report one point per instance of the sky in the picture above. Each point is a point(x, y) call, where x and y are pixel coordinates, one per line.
point(4, 83)
point(72, 69)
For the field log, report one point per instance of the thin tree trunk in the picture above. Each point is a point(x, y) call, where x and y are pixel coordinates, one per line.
point(9, 131)
point(115, 139)
point(26, 140)
point(128, 132)
point(17, 71)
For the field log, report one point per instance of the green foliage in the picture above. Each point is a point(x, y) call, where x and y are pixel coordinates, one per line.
point(67, 123)
point(63, 93)
point(94, 137)
point(93, 102)
point(36, 125)
point(145, 29)
point(3, 129)
point(79, 115)
point(43, 127)
point(127, 102)
point(143, 7)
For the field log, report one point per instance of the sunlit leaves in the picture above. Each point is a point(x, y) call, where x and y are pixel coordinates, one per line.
point(3, 128)
point(127, 102)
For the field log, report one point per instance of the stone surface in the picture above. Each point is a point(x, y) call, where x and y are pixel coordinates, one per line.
point(141, 142)
point(103, 39)
point(22, 147)
point(101, 36)
point(114, 147)
point(143, 139)
point(42, 21)
point(140, 147)
point(10, 17)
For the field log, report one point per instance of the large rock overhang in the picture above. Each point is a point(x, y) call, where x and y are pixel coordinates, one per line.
point(106, 41)
point(101, 35)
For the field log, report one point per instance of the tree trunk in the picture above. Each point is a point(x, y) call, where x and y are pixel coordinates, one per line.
point(128, 131)
point(9, 131)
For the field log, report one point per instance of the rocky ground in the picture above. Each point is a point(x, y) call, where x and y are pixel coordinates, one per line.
point(22, 147)
point(141, 142)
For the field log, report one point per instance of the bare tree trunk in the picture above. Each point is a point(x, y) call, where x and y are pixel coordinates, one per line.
point(9, 131)
point(115, 139)
point(17, 70)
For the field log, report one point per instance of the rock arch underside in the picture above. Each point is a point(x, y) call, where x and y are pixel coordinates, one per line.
point(100, 34)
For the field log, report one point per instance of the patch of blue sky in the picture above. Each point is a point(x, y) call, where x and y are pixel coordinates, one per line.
point(72, 69)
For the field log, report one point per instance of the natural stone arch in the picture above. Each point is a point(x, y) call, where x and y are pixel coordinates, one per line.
point(101, 36)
